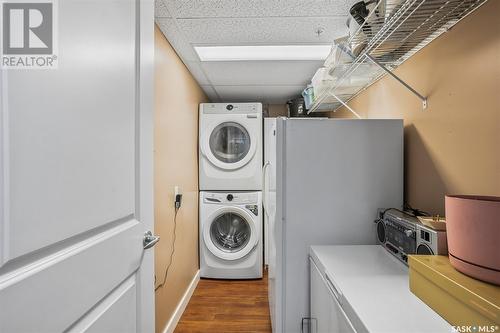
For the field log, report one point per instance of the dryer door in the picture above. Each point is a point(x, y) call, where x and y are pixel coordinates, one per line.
point(229, 145)
point(230, 233)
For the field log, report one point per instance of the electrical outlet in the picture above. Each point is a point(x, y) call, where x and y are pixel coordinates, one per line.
point(177, 197)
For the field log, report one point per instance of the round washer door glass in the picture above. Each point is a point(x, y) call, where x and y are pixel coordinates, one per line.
point(229, 142)
point(230, 232)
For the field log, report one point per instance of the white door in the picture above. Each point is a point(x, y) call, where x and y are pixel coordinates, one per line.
point(230, 233)
point(76, 176)
point(230, 145)
point(269, 188)
point(269, 200)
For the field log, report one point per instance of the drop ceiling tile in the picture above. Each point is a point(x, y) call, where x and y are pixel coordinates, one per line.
point(247, 22)
point(260, 72)
point(265, 94)
point(273, 30)
point(258, 8)
point(197, 72)
point(161, 9)
point(211, 93)
point(176, 39)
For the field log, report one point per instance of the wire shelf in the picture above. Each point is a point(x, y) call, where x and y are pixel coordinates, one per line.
point(393, 31)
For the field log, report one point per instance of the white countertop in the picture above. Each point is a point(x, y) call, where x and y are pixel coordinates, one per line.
point(375, 286)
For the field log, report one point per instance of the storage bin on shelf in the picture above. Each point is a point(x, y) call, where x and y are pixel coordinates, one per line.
point(339, 55)
point(308, 95)
point(337, 61)
point(321, 81)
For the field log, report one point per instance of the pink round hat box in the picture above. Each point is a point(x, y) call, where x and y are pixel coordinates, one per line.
point(473, 232)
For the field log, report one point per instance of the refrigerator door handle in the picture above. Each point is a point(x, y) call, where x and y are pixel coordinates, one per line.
point(264, 187)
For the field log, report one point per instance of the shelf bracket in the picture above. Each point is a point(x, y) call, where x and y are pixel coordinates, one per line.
point(344, 104)
point(407, 86)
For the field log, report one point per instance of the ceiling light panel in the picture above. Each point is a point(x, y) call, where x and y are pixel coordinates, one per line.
point(260, 72)
point(268, 94)
point(263, 52)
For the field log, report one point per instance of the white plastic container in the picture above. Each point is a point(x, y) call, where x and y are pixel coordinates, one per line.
point(338, 54)
point(321, 80)
point(339, 58)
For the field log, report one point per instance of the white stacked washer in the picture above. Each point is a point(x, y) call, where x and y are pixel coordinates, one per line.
point(230, 159)
point(231, 235)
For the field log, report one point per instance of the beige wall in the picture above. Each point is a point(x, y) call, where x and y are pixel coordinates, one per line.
point(454, 145)
point(276, 110)
point(177, 96)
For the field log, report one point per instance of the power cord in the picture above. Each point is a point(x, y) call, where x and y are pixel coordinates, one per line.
point(415, 211)
point(177, 206)
point(407, 210)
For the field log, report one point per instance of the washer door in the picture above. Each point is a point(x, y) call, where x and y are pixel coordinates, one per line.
point(230, 233)
point(228, 145)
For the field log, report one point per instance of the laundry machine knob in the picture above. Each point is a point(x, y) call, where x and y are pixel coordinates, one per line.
point(229, 197)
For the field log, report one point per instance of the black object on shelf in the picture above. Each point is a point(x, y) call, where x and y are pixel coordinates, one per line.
point(296, 107)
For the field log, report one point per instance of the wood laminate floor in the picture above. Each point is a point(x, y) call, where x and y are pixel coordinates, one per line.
point(226, 306)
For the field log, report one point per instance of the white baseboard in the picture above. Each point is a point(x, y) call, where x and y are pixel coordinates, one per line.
point(179, 310)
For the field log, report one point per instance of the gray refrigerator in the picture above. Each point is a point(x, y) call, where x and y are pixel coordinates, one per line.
point(324, 180)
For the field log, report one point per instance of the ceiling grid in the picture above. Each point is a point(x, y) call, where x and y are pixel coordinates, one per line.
point(190, 23)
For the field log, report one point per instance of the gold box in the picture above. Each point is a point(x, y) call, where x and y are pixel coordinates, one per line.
point(461, 300)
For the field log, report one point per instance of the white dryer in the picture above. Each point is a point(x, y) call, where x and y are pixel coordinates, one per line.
point(231, 235)
point(230, 147)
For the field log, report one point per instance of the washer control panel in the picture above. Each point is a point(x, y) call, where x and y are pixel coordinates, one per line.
point(253, 208)
point(231, 198)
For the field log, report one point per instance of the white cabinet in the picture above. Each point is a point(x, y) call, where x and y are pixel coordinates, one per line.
point(327, 314)
point(320, 302)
